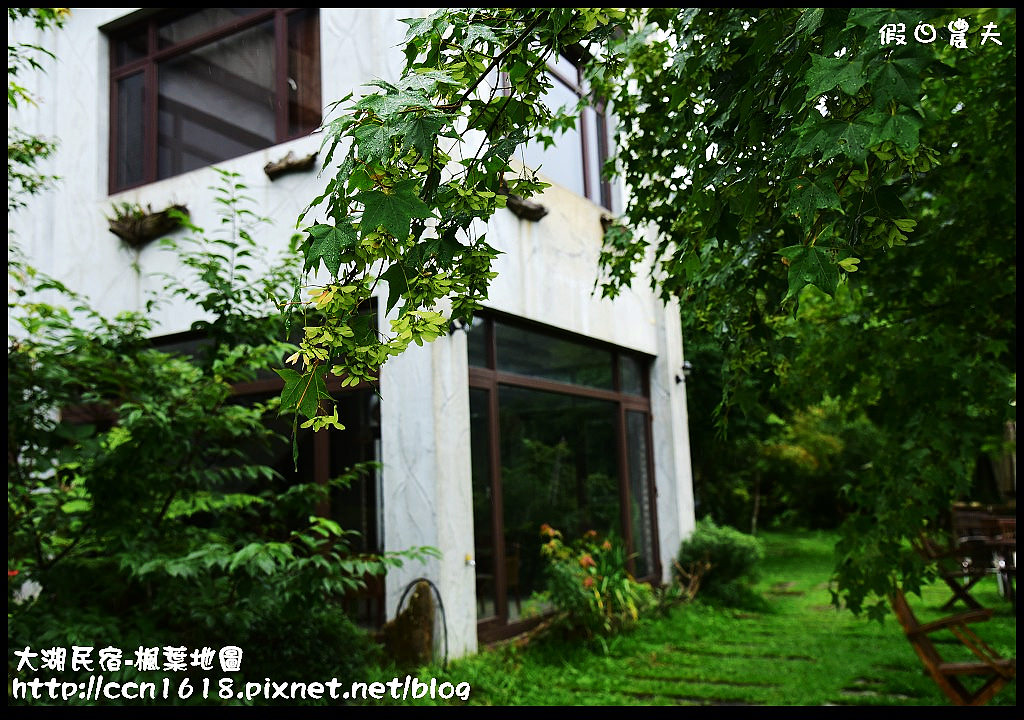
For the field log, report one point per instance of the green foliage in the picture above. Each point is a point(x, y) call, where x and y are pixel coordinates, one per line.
point(424, 162)
point(25, 151)
point(797, 652)
point(589, 585)
point(732, 559)
point(138, 514)
point(783, 155)
point(773, 156)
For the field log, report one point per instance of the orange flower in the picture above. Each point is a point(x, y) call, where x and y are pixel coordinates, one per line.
point(606, 545)
point(588, 582)
point(548, 531)
point(587, 561)
point(590, 534)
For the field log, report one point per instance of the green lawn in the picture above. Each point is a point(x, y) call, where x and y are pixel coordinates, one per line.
point(801, 651)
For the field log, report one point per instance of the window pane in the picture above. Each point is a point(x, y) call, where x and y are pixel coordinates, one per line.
point(195, 24)
point(567, 69)
point(592, 125)
point(477, 342)
point(558, 466)
point(530, 353)
point(357, 506)
point(131, 110)
point(303, 72)
point(640, 492)
point(631, 373)
point(483, 502)
point(562, 162)
point(132, 47)
point(218, 102)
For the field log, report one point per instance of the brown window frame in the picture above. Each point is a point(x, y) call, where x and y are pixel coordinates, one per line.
point(147, 22)
point(489, 378)
point(601, 195)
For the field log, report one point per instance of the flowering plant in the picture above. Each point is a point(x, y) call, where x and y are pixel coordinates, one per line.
point(589, 583)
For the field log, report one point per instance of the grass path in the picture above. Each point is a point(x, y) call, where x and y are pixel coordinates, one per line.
point(800, 652)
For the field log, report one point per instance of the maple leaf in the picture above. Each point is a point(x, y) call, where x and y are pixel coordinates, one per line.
point(330, 242)
point(392, 210)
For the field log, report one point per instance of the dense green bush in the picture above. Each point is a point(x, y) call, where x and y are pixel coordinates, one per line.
point(137, 515)
point(589, 585)
point(726, 559)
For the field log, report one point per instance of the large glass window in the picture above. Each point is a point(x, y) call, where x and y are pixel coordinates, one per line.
point(193, 88)
point(560, 435)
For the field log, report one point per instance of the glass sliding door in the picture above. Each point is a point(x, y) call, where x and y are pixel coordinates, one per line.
point(484, 503)
point(559, 436)
point(558, 467)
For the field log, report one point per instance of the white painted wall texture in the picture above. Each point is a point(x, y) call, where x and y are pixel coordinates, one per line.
point(546, 273)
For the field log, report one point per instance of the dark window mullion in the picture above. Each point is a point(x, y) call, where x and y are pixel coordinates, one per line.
point(152, 98)
point(492, 345)
point(564, 80)
point(602, 154)
point(281, 92)
point(497, 511)
point(128, 68)
point(112, 124)
point(625, 502)
point(652, 499)
point(588, 191)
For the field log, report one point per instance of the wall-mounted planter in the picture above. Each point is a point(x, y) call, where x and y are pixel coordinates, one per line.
point(524, 209)
point(289, 164)
point(138, 226)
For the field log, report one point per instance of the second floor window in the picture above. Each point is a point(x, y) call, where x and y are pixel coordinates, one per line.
point(576, 157)
point(190, 89)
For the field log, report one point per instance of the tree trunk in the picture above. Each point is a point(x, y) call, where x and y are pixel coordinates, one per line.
point(757, 503)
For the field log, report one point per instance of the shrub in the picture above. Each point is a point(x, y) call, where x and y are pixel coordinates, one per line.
point(137, 515)
point(589, 585)
point(726, 558)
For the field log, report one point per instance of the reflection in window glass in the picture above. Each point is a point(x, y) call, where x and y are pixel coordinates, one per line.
point(357, 507)
point(217, 102)
point(558, 466)
point(483, 502)
point(221, 86)
point(303, 71)
point(133, 47)
point(631, 375)
point(529, 353)
point(562, 162)
point(476, 342)
point(639, 492)
point(197, 23)
point(131, 104)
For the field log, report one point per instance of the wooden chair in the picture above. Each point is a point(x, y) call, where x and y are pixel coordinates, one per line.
point(994, 670)
point(971, 551)
point(960, 567)
point(1006, 557)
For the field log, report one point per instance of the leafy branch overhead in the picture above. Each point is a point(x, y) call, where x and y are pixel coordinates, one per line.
point(772, 156)
point(783, 128)
point(777, 156)
point(415, 169)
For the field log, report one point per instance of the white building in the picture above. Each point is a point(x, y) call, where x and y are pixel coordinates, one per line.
point(552, 383)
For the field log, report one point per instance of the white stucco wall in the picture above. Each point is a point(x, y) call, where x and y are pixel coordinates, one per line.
point(546, 273)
